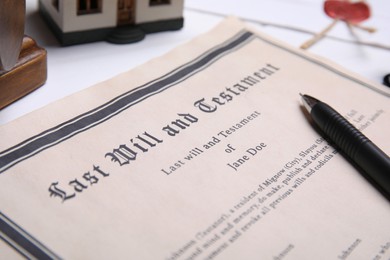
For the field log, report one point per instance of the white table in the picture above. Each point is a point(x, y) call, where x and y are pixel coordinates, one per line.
point(71, 69)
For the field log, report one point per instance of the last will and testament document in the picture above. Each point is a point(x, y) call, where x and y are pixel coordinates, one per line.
point(204, 153)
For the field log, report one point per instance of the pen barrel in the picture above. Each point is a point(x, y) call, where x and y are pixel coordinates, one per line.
point(354, 144)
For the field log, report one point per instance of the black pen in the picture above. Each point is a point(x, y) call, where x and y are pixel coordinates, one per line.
point(372, 160)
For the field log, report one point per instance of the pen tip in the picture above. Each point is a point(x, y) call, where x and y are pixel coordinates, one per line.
point(308, 101)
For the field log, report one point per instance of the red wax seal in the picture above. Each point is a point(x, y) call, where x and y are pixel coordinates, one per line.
point(353, 12)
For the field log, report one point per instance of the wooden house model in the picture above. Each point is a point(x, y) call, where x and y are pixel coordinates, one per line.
point(117, 21)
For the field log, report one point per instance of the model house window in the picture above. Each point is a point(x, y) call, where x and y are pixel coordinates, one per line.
point(55, 4)
point(159, 2)
point(89, 6)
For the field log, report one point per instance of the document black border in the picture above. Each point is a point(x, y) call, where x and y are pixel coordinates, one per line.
point(92, 118)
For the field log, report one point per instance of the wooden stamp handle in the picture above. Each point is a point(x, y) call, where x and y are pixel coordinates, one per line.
point(12, 18)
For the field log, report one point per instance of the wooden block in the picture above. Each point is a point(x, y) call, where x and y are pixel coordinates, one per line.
point(29, 73)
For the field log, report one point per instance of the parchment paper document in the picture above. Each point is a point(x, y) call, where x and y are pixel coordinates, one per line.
point(204, 153)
